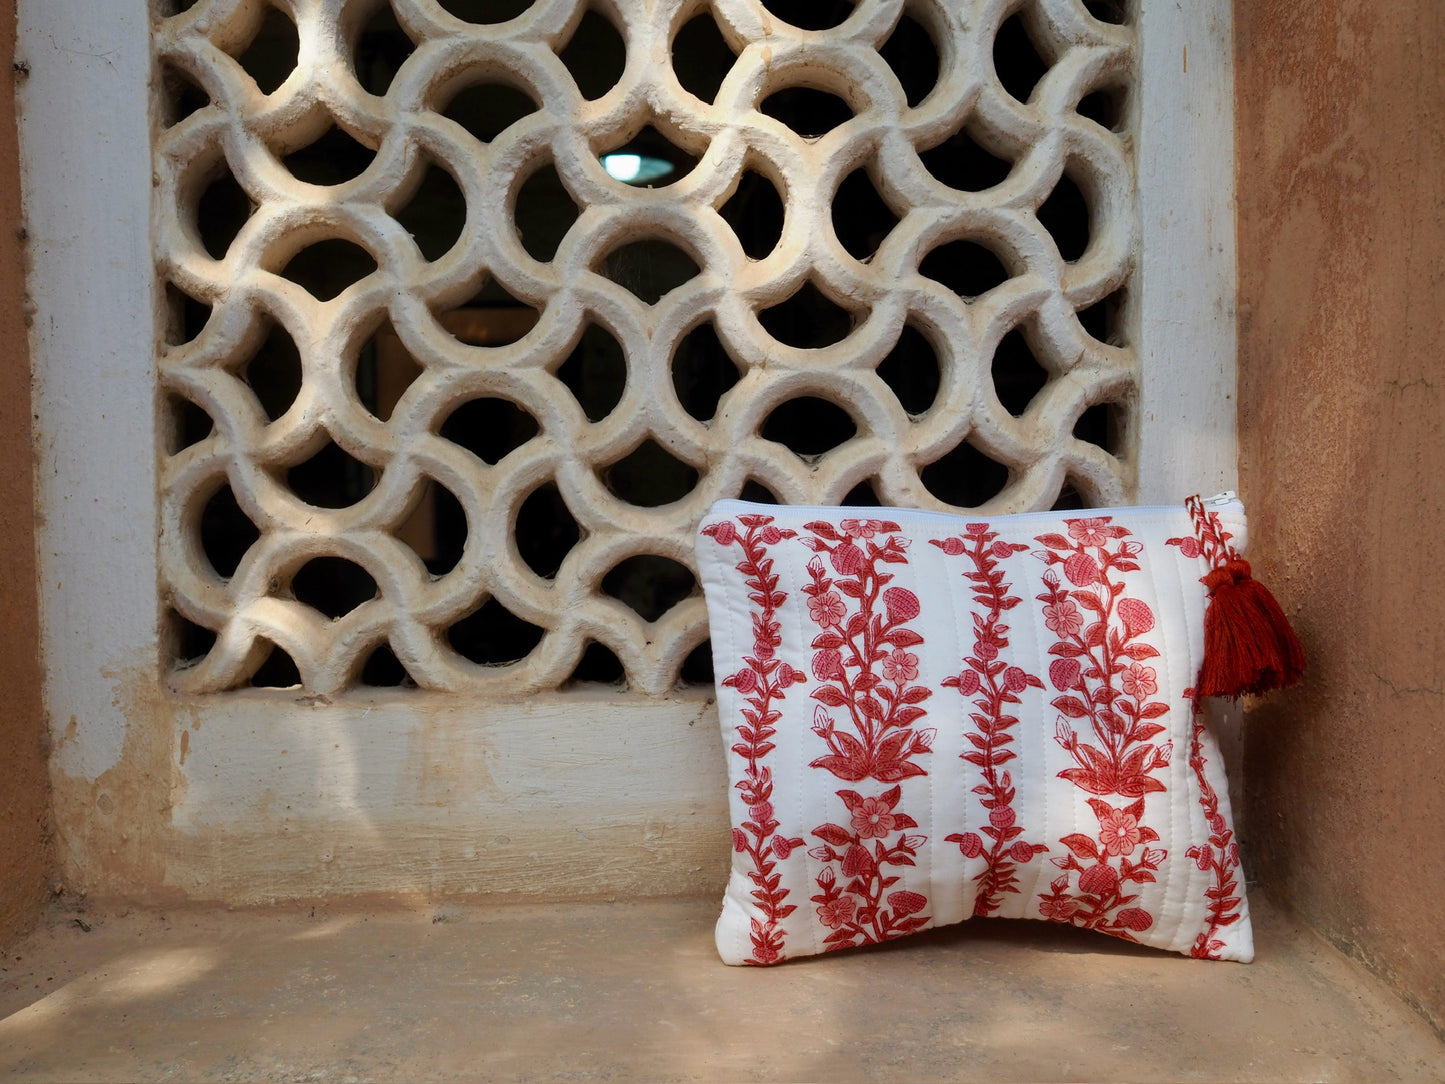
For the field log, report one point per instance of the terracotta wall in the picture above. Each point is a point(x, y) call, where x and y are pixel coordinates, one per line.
point(1341, 140)
point(24, 793)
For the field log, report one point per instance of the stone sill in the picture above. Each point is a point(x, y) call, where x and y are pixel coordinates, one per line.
point(634, 991)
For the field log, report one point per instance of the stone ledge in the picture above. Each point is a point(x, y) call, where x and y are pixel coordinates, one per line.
point(634, 991)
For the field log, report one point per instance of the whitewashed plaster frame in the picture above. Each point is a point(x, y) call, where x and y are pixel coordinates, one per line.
point(251, 796)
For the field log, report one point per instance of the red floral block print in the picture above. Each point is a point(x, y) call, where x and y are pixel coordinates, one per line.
point(762, 680)
point(1107, 722)
point(867, 674)
point(1066, 794)
point(994, 685)
point(1219, 857)
point(1211, 541)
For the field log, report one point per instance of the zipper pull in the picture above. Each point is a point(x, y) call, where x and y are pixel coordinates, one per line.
point(1229, 496)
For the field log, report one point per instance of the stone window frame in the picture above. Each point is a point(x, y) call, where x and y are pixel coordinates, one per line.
point(376, 772)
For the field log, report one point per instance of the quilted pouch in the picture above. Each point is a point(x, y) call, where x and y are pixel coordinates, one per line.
point(929, 717)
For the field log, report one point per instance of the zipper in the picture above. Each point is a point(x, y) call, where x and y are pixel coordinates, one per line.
point(1226, 502)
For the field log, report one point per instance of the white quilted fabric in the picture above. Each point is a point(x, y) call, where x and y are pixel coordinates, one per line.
point(931, 717)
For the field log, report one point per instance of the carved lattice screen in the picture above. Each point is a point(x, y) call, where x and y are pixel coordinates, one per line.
point(449, 399)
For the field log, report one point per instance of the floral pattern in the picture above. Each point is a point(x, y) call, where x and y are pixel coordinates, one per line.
point(1219, 856)
point(866, 674)
point(994, 685)
point(838, 795)
point(763, 679)
point(1107, 724)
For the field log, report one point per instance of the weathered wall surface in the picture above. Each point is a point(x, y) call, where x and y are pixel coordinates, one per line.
point(1342, 256)
point(24, 796)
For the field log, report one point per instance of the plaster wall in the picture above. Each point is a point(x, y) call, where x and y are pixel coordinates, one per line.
point(24, 795)
point(1341, 151)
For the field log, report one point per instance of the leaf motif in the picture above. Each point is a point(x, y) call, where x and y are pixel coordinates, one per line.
point(902, 637)
point(900, 769)
point(1136, 786)
point(842, 767)
point(1088, 779)
point(835, 834)
point(1081, 845)
point(1140, 652)
point(891, 747)
point(1071, 706)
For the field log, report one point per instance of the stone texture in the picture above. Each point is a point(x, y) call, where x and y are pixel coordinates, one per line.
point(635, 991)
point(1341, 234)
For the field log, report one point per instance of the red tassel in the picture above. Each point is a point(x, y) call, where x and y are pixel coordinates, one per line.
point(1249, 646)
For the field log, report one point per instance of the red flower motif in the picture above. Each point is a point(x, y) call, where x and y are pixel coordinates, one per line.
point(994, 684)
point(847, 558)
point(762, 682)
point(836, 913)
point(970, 843)
point(1065, 674)
point(827, 609)
point(1063, 618)
point(1139, 681)
point(873, 819)
point(1099, 668)
point(1099, 880)
point(862, 660)
point(1136, 615)
point(969, 683)
point(901, 666)
point(1081, 569)
point(1058, 908)
point(783, 847)
point(901, 604)
point(1119, 832)
point(1088, 532)
point(861, 528)
point(1136, 919)
point(1002, 816)
point(907, 903)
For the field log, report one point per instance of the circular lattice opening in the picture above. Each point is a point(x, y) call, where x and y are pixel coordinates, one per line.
point(469, 263)
point(270, 57)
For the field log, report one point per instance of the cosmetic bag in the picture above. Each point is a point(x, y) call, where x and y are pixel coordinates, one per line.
point(931, 717)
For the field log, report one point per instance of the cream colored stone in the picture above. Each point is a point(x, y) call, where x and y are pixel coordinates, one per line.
point(249, 131)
